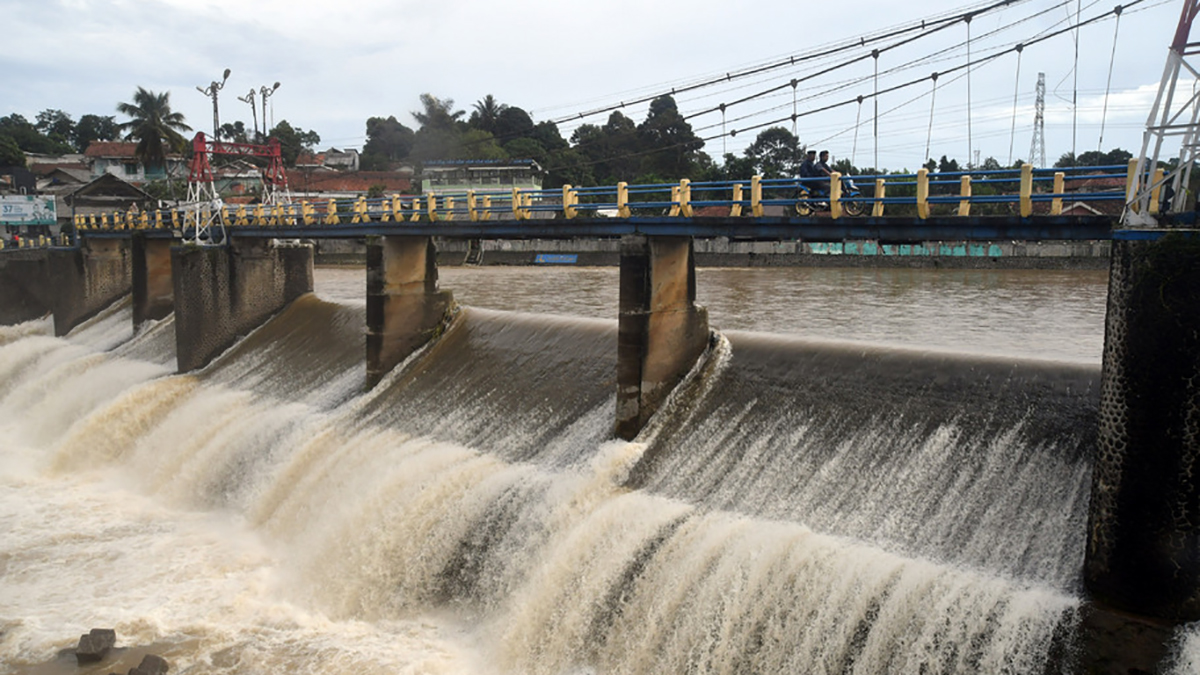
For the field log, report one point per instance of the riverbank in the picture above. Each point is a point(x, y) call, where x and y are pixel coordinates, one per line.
point(724, 252)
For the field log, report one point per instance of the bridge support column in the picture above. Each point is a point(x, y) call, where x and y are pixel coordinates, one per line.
point(405, 309)
point(661, 332)
point(153, 288)
point(1143, 553)
point(223, 292)
point(85, 280)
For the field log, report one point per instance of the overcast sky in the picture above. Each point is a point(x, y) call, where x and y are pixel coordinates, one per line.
point(342, 62)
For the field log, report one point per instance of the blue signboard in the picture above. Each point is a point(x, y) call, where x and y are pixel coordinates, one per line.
point(555, 259)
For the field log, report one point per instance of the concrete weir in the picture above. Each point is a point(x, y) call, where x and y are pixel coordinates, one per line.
point(73, 284)
point(660, 332)
point(153, 288)
point(223, 292)
point(405, 309)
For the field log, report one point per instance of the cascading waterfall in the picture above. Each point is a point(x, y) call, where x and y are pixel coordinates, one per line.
point(470, 515)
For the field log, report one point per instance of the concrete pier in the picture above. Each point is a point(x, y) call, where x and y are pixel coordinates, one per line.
point(661, 332)
point(405, 309)
point(1143, 553)
point(223, 292)
point(153, 288)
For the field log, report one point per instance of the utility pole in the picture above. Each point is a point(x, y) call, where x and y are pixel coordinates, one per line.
point(212, 90)
point(1037, 149)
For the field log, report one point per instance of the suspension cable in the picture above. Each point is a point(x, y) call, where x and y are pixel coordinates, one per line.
point(1016, 90)
point(970, 141)
point(1108, 85)
point(932, 101)
point(857, 122)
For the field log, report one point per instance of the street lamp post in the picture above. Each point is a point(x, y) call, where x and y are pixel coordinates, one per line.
point(249, 98)
point(266, 93)
point(211, 90)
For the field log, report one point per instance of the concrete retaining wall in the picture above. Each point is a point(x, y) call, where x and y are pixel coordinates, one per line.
point(72, 284)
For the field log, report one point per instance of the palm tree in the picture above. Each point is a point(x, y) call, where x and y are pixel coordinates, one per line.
point(437, 114)
point(487, 111)
point(153, 125)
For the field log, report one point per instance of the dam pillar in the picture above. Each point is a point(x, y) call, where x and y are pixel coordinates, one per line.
point(405, 309)
point(1143, 550)
point(85, 280)
point(221, 293)
point(661, 332)
point(153, 288)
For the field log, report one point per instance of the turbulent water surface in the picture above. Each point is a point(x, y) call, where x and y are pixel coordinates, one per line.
point(874, 471)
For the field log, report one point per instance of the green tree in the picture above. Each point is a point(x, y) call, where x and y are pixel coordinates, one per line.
point(293, 140)
point(388, 142)
point(673, 147)
point(776, 153)
point(235, 132)
point(56, 125)
point(27, 137)
point(154, 126)
point(512, 123)
point(10, 153)
point(94, 128)
point(1113, 157)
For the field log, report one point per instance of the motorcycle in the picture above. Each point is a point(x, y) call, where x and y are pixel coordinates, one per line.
point(805, 207)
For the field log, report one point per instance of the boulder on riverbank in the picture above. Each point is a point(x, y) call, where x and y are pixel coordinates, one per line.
point(94, 645)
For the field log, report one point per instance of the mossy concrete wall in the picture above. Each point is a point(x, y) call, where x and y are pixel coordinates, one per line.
point(660, 332)
point(1143, 552)
point(405, 308)
point(224, 292)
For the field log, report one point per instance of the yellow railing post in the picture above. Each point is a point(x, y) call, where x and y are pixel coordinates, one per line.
point(880, 193)
point(260, 215)
point(472, 214)
point(158, 220)
point(835, 195)
point(569, 200)
point(756, 207)
point(416, 210)
point(397, 208)
point(922, 193)
point(1156, 190)
point(1131, 185)
point(1026, 190)
point(331, 214)
point(685, 198)
point(359, 210)
point(623, 200)
point(1059, 188)
point(674, 210)
point(964, 191)
point(144, 220)
point(448, 203)
point(735, 209)
point(486, 214)
point(431, 206)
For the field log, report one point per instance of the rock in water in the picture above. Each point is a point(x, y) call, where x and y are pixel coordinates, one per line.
point(93, 646)
point(151, 665)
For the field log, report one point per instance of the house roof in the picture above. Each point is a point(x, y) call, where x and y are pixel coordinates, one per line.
point(107, 189)
point(111, 149)
point(350, 181)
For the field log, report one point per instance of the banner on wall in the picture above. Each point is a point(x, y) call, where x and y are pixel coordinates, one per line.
point(27, 210)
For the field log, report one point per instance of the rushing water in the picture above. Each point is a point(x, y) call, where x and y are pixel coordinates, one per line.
point(875, 471)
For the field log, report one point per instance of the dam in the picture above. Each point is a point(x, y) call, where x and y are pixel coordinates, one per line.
point(872, 470)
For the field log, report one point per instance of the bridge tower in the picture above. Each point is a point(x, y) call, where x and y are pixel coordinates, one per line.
point(1176, 113)
point(1037, 148)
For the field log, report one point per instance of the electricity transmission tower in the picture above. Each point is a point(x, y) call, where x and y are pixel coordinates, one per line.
point(1037, 149)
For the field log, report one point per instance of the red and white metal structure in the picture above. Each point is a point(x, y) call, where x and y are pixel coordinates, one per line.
point(1176, 113)
point(205, 209)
